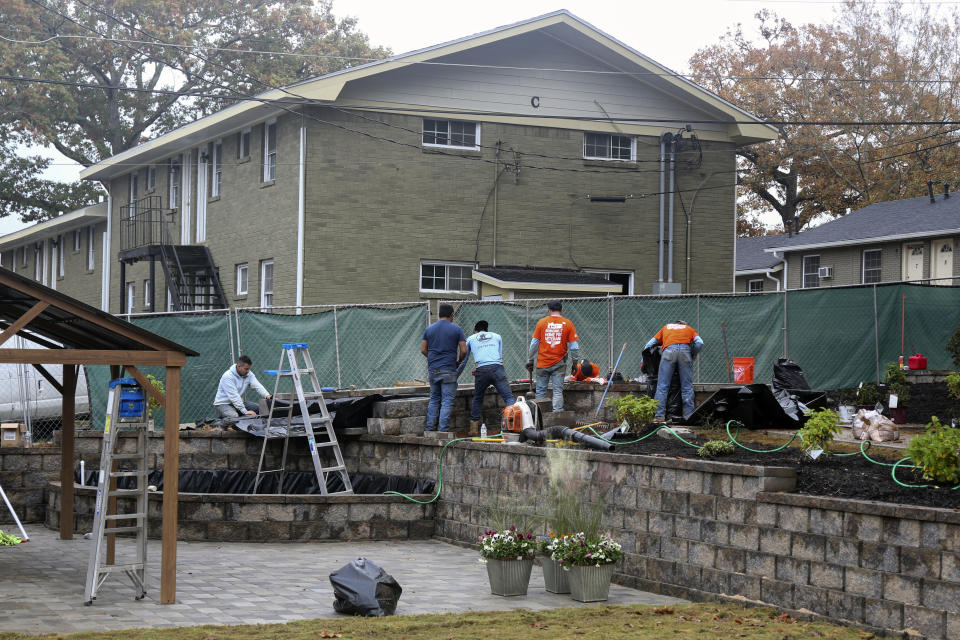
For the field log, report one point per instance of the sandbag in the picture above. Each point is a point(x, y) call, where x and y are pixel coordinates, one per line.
point(362, 588)
point(872, 425)
point(787, 374)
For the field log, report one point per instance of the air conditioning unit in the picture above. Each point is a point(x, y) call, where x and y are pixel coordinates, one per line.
point(825, 272)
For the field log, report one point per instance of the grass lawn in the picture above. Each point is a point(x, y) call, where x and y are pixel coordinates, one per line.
point(681, 622)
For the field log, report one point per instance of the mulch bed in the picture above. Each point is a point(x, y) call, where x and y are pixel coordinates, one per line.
point(831, 476)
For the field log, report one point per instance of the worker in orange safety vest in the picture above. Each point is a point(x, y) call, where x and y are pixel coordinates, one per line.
point(679, 346)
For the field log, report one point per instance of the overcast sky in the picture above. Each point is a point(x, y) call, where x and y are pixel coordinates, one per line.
point(667, 31)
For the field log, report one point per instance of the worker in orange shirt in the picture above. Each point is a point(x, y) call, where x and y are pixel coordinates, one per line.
point(552, 338)
point(679, 346)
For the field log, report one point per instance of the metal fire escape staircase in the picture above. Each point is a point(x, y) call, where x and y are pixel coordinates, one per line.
point(188, 269)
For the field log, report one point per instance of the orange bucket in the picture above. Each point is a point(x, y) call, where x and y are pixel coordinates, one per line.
point(743, 370)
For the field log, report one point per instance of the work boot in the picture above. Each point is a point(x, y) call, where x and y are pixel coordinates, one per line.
point(474, 429)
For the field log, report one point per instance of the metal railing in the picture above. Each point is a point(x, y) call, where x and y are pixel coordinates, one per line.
point(144, 223)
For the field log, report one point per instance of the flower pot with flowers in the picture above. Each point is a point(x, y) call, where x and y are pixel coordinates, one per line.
point(508, 555)
point(554, 577)
point(589, 559)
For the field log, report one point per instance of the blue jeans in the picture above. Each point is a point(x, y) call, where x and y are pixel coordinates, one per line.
point(676, 356)
point(555, 374)
point(492, 374)
point(443, 389)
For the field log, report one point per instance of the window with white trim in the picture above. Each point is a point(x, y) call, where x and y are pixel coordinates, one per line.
point(38, 265)
point(133, 194)
point(131, 297)
point(173, 178)
point(242, 279)
point(605, 146)
point(23, 255)
point(451, 133)
point(454, 277)
point(623, 278)
point(872, 262)
point(91, 247)
point(755, 286)
point(169, 299)
point(151, 177)
point(61, 249)
point(216, 168)
point(77, 239)
point(811, 271)
point(243, 144)
point(270, 150)
point(266, 283)
point(146, 294)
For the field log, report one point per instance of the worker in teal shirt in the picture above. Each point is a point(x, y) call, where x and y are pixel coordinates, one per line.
point(486, 348)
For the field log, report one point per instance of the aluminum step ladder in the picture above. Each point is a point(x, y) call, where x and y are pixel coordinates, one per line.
point(295, 364)
point(126, 410)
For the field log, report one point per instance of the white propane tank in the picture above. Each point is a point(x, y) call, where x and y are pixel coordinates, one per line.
point(525, 412)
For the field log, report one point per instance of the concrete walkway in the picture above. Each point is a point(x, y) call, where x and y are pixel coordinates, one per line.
point(41, 584)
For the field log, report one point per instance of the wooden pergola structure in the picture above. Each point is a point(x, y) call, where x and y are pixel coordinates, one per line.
point(74, 334)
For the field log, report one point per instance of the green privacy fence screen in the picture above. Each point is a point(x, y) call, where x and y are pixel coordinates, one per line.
point(361, 346)
point(839, 336)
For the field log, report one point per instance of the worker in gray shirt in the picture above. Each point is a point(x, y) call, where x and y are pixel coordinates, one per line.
point(233, 384)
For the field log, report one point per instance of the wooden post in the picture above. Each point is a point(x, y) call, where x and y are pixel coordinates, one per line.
point(69, 399)
point(171, 485)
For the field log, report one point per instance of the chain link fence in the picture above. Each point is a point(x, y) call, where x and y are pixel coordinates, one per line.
point(838, 335)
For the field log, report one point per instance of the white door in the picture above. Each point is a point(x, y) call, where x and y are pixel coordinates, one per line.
point(941, 260)
point(913, 261)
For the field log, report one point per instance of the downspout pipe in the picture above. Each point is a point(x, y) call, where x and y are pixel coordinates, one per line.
point(770, 276)
point(673, 174)
point(663, 146)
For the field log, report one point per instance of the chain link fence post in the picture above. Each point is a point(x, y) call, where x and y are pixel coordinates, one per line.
point(876, 332)
point(699, 376)
point(336, 345)
point(786, 326)
point(610, 330)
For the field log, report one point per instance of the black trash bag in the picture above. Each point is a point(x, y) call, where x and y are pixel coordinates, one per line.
point(651, 367)
point(362, 588)
point(787, 374)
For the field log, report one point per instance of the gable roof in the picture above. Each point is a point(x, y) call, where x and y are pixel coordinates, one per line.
point(881, 222)
point(77, 219)
point(71, 323)
point(562, 24)
point(751, 254)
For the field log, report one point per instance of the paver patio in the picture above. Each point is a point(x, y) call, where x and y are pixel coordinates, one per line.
point(41, 584)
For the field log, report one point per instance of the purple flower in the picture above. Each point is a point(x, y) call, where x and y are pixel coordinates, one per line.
point(513, 527)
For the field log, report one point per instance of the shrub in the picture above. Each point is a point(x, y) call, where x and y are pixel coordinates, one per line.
point(868, 394)
point(953, 347)
point(152, 404)
point(937, 453)
point(897, 381)
point(637, 411)
point(715, 448)
point(953, 384)
point(819, 429)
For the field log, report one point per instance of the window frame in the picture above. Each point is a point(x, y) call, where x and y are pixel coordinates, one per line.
point(608, 272)
point(174, 178)
point(423, 134)
point(61, 262)
point(23, 256)
point(91, 248)
point(878, 268)
point(446, 277)
point(132, 200)
point(263, 280)
point(131, 297)
point(151, 178)
point(750, 283)
point(610, 158)
point(808, 274)
point(243, 140)
point(146, 293)
point(244, 268)
point(269, 156)
point(216, 168)
point(39, 256)
point(77, 240)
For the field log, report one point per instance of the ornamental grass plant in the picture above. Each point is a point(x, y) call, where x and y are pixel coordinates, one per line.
point(567, 507)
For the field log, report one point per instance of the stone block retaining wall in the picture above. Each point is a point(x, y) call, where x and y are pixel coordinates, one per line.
point(270, 518)
point(24, 474)
point(703, 529)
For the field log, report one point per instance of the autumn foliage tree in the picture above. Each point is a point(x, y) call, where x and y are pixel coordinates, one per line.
point(880, 64)
point(126, 52)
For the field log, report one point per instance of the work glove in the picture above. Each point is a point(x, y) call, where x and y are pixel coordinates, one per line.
point(530, 367)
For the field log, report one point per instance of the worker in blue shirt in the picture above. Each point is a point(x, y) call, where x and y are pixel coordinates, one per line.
point(486, 348)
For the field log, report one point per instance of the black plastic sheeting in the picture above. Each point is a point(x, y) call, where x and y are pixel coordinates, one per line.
point(344, 412)
point(758, 406)
point(788, 375)
point(240, 481)
point(651, 367)
point(363, 588)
